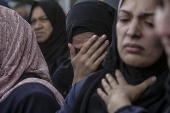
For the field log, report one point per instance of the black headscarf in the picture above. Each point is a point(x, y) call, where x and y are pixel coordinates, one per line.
point(152, 99)
point(55, 49)
point(94, 16)
point(89, 16)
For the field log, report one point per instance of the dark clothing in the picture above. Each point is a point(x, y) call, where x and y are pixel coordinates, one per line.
point(135, 109)
point(30, 98)
point(71, 98)
point(132, 109)
point(91, 16)
point(55, 49)
point(89, 102)
point(167, 85)
point(64, 77)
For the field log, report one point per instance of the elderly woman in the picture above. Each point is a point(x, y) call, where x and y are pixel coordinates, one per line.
point(137, 53)
point(119, 95)
point(48, 21)
point(25, 84)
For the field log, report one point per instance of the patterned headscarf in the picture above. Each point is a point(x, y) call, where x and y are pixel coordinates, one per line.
point(20, 53)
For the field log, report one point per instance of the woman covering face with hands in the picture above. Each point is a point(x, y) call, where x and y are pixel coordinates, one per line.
point(82, 23)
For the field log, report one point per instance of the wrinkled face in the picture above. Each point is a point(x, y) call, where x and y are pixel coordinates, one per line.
point(162, 23)
point(80, 39)
point(41, 24)
point(138, 45)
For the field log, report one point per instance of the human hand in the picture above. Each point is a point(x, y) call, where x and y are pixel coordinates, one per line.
point(119, 93)
point(89, 57)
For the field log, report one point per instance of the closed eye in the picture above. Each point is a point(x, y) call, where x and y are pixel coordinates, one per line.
point(149, 24)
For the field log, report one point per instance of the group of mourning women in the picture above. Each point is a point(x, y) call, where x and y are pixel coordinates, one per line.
point(118, 60)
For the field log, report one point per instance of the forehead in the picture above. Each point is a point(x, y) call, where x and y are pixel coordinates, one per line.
point(82, 37)
point(37, 12)
point(139, 6)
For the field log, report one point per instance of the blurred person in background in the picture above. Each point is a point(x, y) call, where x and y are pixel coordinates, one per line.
point(4, 3)
point(22, 10)
point(48, 21)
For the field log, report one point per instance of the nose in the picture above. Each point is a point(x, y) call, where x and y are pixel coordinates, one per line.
point(134, 29)
point(37, 25)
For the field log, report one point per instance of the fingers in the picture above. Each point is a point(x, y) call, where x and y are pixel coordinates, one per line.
point(72, 51)
point(111, 80)
point(96, 45)
point(99, 51)
point(106, 86)
point(88, 44)
point(102, 95)
point(99, 60)
point(142, 87)
point(120, 78)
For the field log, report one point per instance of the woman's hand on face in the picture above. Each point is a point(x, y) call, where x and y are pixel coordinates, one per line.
point(119, 93)
point(89, 57)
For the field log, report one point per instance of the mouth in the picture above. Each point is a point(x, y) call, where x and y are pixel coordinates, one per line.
point(39, 34)
point(133, 48)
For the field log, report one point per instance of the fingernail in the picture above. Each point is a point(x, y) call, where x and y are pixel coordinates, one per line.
point(106, 42)
point(153, 79)
point(106, 52)
point(103, 80)
point(107, 75)
point(103, 36)
point(94, 37)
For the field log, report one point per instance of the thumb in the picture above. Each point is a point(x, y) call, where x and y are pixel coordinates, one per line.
point(148, 82)
point(72, 50)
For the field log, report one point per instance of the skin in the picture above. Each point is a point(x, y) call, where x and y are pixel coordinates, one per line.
point(138, 44)
point(163, 25)
point(118, 94)
point(89, 58)
point(80, 39)
point(41, 24)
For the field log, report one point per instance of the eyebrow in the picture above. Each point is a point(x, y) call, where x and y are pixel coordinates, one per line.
point(124, 11)
point(141, 15)
point(147, 15)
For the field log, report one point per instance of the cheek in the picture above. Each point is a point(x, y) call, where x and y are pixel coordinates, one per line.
point(155, 48)
point(49, 29)
point(120, 37)
point(78, 46)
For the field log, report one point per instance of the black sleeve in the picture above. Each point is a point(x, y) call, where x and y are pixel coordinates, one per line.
point(63, 77)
